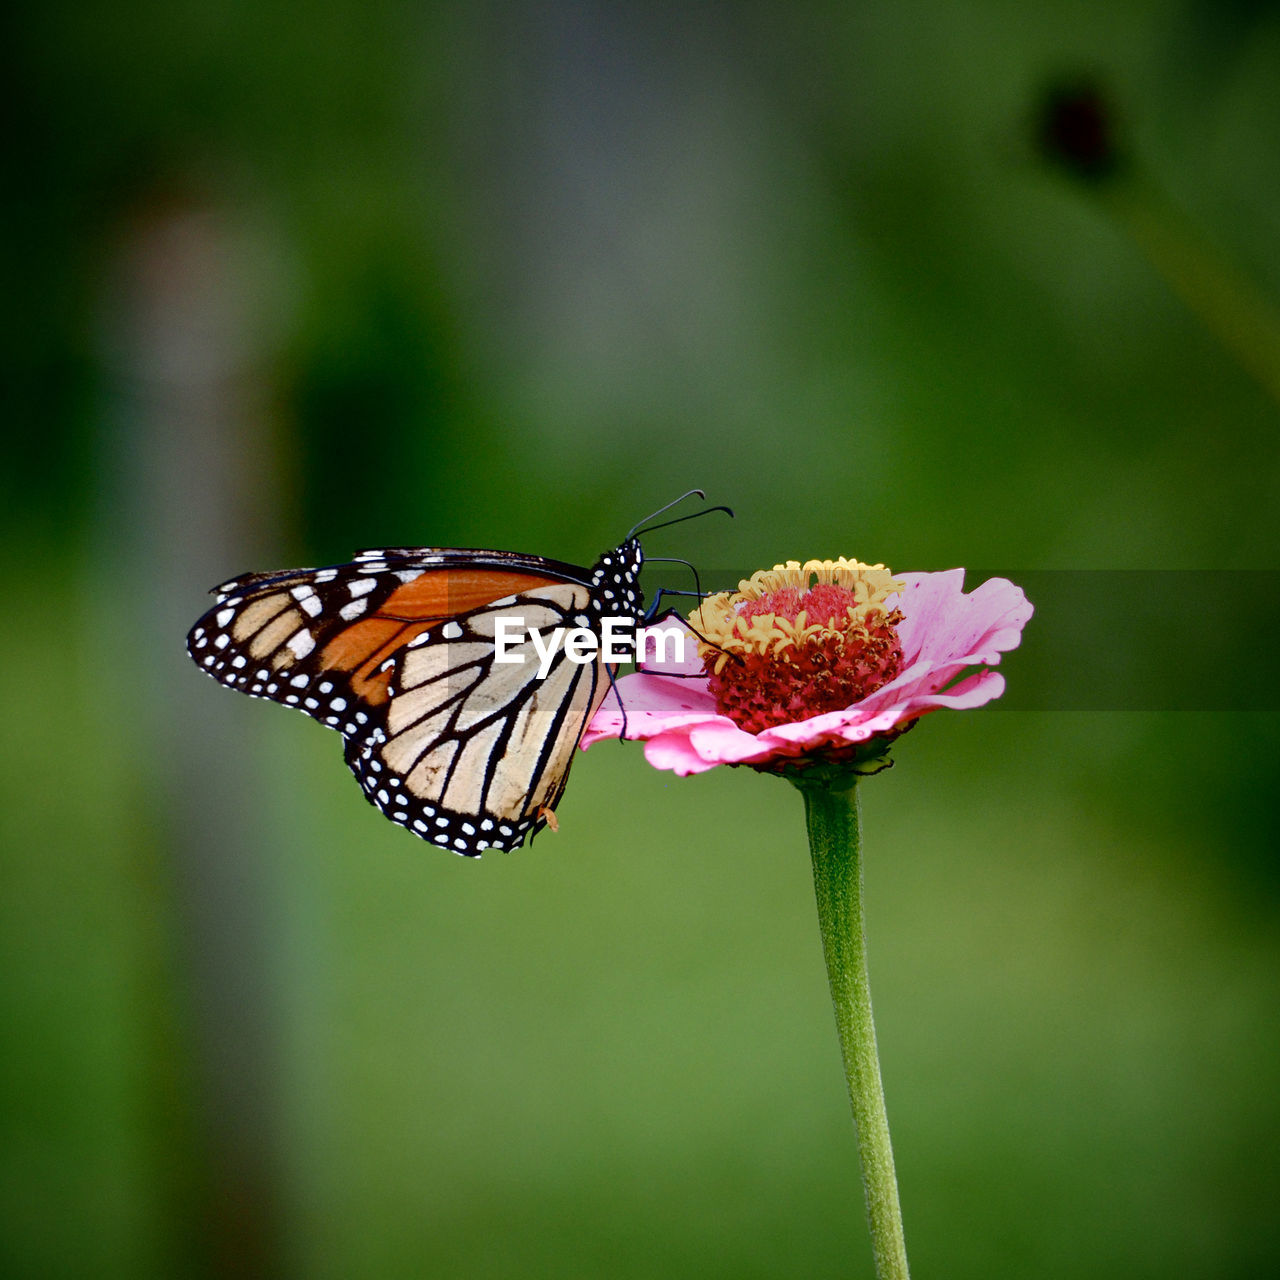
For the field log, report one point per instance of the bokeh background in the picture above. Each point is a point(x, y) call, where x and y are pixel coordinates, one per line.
point(293, 279)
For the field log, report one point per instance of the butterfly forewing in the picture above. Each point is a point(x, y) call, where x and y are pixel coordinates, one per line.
point(284, 635)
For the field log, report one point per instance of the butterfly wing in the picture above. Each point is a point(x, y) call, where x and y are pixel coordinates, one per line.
point(396, 651)
point(471, 753)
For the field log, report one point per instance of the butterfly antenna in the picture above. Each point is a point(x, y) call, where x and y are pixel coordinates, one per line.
point(645, 527)
point(693, 493)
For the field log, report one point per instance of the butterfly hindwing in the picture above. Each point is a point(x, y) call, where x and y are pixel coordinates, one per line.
point(469, 752)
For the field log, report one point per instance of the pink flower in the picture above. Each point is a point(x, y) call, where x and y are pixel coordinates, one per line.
point(825, 662)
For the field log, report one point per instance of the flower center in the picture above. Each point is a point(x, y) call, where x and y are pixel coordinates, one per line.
point(798, 640)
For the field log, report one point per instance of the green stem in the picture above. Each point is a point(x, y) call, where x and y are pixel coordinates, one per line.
point(1228, 304)
point(836, 847)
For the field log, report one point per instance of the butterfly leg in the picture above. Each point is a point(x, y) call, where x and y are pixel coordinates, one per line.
point(612, 673)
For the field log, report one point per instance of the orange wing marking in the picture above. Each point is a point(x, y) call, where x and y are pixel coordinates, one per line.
point(436, 595)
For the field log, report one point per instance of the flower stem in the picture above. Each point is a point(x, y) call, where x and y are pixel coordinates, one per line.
point(835, 844)
point(1243, 319)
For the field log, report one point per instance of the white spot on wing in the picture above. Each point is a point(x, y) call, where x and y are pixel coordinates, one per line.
point(301, 642)
point(353, 610)
point(362, 586)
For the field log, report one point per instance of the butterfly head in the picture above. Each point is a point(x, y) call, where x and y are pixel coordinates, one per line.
point(615, 581)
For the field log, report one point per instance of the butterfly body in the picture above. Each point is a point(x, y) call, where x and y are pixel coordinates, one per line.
point(396, 652)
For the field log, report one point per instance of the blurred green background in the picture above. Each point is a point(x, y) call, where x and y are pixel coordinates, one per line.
point(289, 280)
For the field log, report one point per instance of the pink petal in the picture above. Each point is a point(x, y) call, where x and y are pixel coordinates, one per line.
point(941, 622)
point(652, 702)
point(695, 748)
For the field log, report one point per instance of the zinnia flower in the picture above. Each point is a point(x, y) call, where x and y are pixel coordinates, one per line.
point(811, 671)
point(828, 661)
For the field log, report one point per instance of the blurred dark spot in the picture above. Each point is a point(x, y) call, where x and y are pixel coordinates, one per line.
point(1076, 129)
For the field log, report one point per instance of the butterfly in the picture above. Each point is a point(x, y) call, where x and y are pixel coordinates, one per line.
point(459, 718)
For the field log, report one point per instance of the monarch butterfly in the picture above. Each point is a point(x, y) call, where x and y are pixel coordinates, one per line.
point(397, 650)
